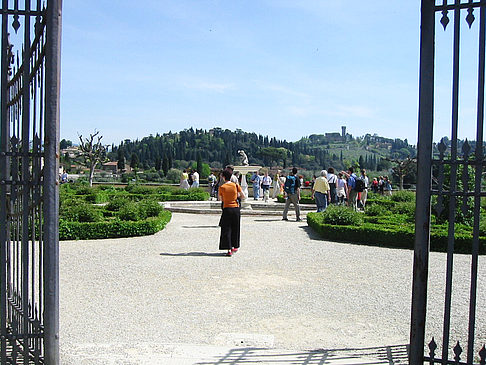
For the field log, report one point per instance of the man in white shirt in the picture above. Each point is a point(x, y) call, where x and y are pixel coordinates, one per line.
point(364, 193)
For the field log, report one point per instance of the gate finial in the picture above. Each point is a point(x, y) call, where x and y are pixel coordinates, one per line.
point(470, 17)
point(482, 356)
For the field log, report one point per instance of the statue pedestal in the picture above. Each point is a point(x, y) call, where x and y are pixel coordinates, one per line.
point(243, 170)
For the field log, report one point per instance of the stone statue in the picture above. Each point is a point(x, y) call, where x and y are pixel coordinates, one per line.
point(244, 158)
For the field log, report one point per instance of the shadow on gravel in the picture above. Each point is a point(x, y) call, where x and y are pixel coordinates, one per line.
point(268, 220)
point(195, 254)
point(365, 356)
point(311, 233)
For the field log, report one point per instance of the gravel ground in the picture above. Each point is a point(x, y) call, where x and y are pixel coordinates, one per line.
point(285, 289)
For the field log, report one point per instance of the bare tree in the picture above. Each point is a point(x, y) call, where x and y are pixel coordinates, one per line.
point(403, 167)
point(92, 152)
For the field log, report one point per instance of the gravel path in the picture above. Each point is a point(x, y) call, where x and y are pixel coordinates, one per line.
point(286, 288)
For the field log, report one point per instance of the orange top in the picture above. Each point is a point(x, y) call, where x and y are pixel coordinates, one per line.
point(229, 193)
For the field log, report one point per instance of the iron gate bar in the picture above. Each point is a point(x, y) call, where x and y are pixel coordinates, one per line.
point(424, 181)
point(21, 12)
point(51, 182)
point(424, 184)
point(5, 133)
point(453, 183)
point(29, 296)
point(460, 6)
point(25, 175)
point(477, 198)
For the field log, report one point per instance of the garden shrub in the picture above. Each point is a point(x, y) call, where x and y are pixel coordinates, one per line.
point(139, 189)
point(80, 212)
point(129, 212)
point(374, 210)
point(82, 189)
point(116, 203)
point(482, 225)
point(384, 202)
point(407, 208)
point(341, 215)
point(174, 175)
point(403, 196)
point(149, 208)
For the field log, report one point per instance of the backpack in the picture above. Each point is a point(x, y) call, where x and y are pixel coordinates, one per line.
point(359, 186)
point(290, 183)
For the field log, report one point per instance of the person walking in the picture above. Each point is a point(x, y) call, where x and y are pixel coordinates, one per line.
point(229, 192)
point(234, 178)
point(266, 182)
point(321, 192)
point(195, 179)
point(374, 185)
point(211, 183)
point(255, 179)
point(364, 193)
point(332, 180)
point(184, 180)
point(381, 185)
point(387, 187)
point(342, 187)
point(352, 192)
point(276, 184)
point(292, 191)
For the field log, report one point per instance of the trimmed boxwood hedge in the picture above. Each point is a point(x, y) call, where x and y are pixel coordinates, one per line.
point(394, 236)
point(103, 194)
point(304, 199)
point(113, 228)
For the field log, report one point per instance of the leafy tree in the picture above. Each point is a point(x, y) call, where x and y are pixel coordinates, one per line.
point(403, 168)
point(92, 152)
point(65, 144)
point(174, 175)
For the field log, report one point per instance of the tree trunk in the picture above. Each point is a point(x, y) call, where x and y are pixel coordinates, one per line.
point(402, 176)
point(91, 173)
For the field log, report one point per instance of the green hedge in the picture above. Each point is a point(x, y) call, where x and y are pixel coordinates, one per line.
point(304, 199)
point(112, 229)
point(400, 235)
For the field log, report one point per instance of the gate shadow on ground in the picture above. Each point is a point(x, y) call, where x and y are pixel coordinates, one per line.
point(200, 226)
point(365, 356)
point(195, 254)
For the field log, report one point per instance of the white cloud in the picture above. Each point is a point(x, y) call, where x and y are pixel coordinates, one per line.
point(210, 86)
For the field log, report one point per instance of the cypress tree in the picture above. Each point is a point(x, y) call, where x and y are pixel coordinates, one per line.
point(199, 163)
point(165, 165)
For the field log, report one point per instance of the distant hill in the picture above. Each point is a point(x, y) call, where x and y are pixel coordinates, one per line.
point(219, 147)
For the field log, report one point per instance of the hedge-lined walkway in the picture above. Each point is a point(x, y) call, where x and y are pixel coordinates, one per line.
point(286, 288)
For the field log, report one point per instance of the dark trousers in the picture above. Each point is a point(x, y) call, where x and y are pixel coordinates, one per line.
point(230, 229)
point(334, 197)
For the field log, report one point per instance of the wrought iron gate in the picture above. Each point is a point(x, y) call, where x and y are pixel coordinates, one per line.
point(445, 163)
point(29, 195)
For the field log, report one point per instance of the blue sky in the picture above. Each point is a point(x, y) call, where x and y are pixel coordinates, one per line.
point(283, 68)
